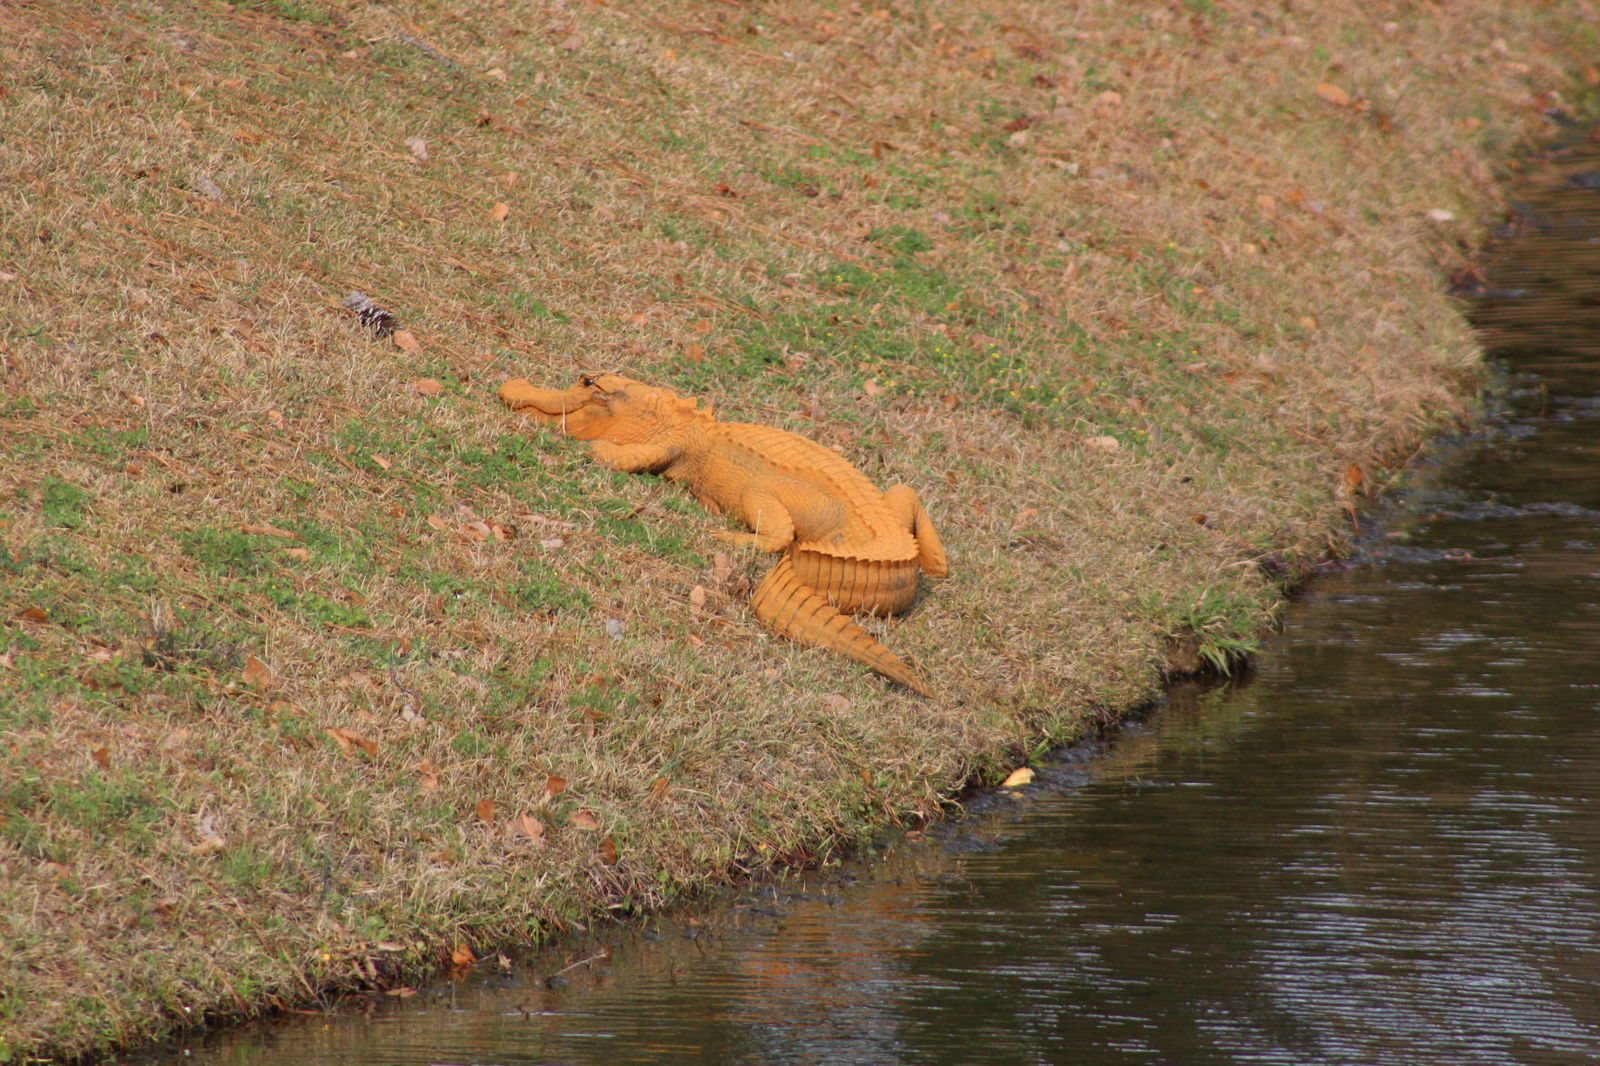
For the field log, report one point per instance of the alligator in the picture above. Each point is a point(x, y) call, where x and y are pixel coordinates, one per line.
point(845, 548)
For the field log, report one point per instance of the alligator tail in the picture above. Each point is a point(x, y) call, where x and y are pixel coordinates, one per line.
point(783, 602)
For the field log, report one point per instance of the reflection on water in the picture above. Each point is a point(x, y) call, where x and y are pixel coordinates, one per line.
point(1384, 849)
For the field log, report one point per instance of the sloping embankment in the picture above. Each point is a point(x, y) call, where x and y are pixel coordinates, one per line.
point(315, 668)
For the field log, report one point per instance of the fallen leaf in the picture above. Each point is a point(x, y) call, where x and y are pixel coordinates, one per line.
point(694, 352)
point(485, 810)
point(697, 596)
point(1353, 479)
point(428, 776)
point(437, 523)
point(425, 386)
point(270, 531)
point(614, 628)
point(208, 845)
point(380, 461)
point(403, 992)
point(721, 567)
point(871, 387)
point(256, 674)
point(1333, 95)
point(553, 787)
point(32, 614)
point(418, 148)
point(528, 826)
point(1020, 776)
point(608, 852)
point(102, 756)
point(1104, 443)
point(497, 73)
point(405, 340)
point(348, 740)
point(462, 956)
point(835, 702)
point(501, 211)
point(661, 788)
point(584, 820)
point(553, 543)
point(1439, 214)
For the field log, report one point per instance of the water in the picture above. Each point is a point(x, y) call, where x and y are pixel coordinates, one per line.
point(1383, 849)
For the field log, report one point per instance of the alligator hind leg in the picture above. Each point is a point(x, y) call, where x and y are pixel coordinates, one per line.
point(903, 503)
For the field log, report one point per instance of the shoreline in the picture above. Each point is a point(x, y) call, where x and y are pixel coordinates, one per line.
point(318, 672)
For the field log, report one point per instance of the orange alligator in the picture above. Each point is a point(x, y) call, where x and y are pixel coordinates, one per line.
point(846, 547)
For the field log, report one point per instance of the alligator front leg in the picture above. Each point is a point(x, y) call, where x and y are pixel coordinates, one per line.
point(645, 458)
point(903, 503)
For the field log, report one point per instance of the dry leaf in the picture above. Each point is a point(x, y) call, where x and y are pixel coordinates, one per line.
point(872, 388)
point(553, 787)
point(462, 956)
point(528, 826)
point(695, 352)
point(301, 554)
point(485, 809)
point(102, 756)
point(381, 461)
point(1353, 479)
point(405, 340)
point(614, 628)
point(661, 788)
point(608, 852)
point(1020, 776)
point(33, 614)
point(501, 211)
point(348, 740)
point(208, 845)
point(256, 674)
point(1104, 443)
point(697, 596)
point(426, 386)
point(721, 567)
point(429, 776)
point(403, 992)
point(584, 820)
point(1334, 95)
point(269, 531)
point(418, 148)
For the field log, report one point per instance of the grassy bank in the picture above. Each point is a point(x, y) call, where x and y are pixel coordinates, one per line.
point(317, 668)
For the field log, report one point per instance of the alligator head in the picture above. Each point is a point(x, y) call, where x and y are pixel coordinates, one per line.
point(601, 406)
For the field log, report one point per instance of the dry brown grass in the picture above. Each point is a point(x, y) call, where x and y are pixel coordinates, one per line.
point(958, 242)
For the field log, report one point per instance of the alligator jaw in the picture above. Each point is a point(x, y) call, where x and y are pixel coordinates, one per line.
point(547, 405)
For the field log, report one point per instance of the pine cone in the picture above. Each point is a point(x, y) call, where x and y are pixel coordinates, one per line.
point(379, 320)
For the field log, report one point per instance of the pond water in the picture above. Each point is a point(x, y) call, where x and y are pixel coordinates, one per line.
point(1384, 848)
